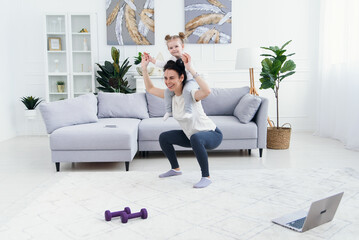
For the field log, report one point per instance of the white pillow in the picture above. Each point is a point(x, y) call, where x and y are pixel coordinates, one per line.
point(247, 108)
point(120, 105)
point(82, 109)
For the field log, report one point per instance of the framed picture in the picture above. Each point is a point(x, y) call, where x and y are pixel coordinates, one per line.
point(55, 44)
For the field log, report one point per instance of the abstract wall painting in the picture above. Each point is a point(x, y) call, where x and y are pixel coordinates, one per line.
point(130, 22)
point(208, 21)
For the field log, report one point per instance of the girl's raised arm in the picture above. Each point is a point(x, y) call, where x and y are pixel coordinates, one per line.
point(150, 88)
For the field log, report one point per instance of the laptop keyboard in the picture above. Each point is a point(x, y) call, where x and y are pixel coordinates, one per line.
point(297, 223)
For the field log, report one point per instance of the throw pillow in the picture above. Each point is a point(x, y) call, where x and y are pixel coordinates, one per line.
point(222, 101)
point(156, 105)
point(120, 105)
point(247, 108)
point(79, 110)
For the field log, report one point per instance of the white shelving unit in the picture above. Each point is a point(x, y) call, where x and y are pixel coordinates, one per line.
point(74, 63)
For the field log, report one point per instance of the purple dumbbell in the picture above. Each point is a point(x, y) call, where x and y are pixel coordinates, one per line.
point(124, 216)
point(109, 215)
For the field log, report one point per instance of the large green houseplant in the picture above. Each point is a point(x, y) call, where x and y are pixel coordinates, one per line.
point(112, 75)
point(275, 68)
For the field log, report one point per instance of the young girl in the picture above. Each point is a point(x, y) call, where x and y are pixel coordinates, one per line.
point(175, 45)
point(198, 132)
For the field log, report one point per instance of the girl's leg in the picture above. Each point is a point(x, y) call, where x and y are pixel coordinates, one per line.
point(168, 100)
point(167, 140)
point(202, 141)
point(188, 100)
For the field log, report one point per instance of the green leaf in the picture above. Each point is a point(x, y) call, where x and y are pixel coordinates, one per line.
point(286, 75)
point(267, 64)
point(266, 84)
point(267, 55)
point(288, 66)
point(276, 67)
point(290, 54)
point(285, 44)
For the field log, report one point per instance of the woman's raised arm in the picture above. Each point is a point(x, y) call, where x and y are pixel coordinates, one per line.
point(204, 89)
point(150, 88)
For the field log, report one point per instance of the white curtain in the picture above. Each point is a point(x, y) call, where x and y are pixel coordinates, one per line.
point(338, 110)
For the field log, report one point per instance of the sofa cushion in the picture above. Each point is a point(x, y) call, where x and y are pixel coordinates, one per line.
point(120, 105)
point(151, 128)
point(96, 136)
point(247, 108)
point(79, 110)
point(222, 101)
point(155, 105)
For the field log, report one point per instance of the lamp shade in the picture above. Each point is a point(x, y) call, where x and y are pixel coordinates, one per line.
point(248, 58)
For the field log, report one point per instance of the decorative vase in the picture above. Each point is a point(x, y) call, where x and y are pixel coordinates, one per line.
point(278, 138)
point(149, 70)
point(60, 88)
point(30, 113)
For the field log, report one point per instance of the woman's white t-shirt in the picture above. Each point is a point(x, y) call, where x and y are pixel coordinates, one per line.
point(198, 122)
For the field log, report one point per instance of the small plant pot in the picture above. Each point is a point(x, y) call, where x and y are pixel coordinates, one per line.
point(149, 70)
point(30, 113)
point(61, 88)
point(278, 138)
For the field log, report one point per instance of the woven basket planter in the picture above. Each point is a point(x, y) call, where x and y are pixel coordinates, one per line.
point(278, 138)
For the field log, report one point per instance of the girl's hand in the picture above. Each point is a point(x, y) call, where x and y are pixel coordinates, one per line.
point(145, 61)
point(186, 58)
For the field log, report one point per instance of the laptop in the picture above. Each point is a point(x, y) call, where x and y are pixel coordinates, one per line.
point(320, 212)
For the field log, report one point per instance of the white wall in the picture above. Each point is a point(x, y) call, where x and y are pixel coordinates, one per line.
point(8, 71)
point(255, 23)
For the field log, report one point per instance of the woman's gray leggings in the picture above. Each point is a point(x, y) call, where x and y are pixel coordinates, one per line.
point(199, 142)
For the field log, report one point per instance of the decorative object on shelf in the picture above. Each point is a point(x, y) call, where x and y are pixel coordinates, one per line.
point(31, 103)
point(130, 22)
point(85, 47)
point(54, 44)
point(157, 70)
point(84, 30)
point(137, 61)
point(208, 22)
point(60, 86)
point(56, 61)
point(274, 70)
point(111, 76)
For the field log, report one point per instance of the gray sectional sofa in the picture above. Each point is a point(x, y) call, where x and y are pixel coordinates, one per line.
point(113, 127)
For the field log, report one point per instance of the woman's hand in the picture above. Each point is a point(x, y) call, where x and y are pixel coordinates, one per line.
point(145, 61)
point(186, 58)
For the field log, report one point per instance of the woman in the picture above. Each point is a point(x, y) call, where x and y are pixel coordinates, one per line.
point(198, 131)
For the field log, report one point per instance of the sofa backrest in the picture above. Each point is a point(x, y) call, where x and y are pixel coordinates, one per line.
point(120, 105)
point(79, 110)
point(221, 101)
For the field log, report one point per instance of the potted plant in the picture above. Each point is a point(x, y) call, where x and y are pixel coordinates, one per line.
point(31, 103)
point(137, 61)
point(111, 75)
point(60, 86)
point(276, 67)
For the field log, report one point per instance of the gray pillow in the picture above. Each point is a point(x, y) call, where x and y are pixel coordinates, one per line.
point(79, 110)
point(222, 101)
point(247, 108)
point(156, 105)
point(120, 105)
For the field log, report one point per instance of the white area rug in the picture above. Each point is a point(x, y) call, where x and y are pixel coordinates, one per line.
point(237, 205)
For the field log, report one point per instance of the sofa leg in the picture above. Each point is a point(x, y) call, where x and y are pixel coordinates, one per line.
point(249, 151)
point(57, 166)
point(127, 166)
point(147, 153)
point(260, 152)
